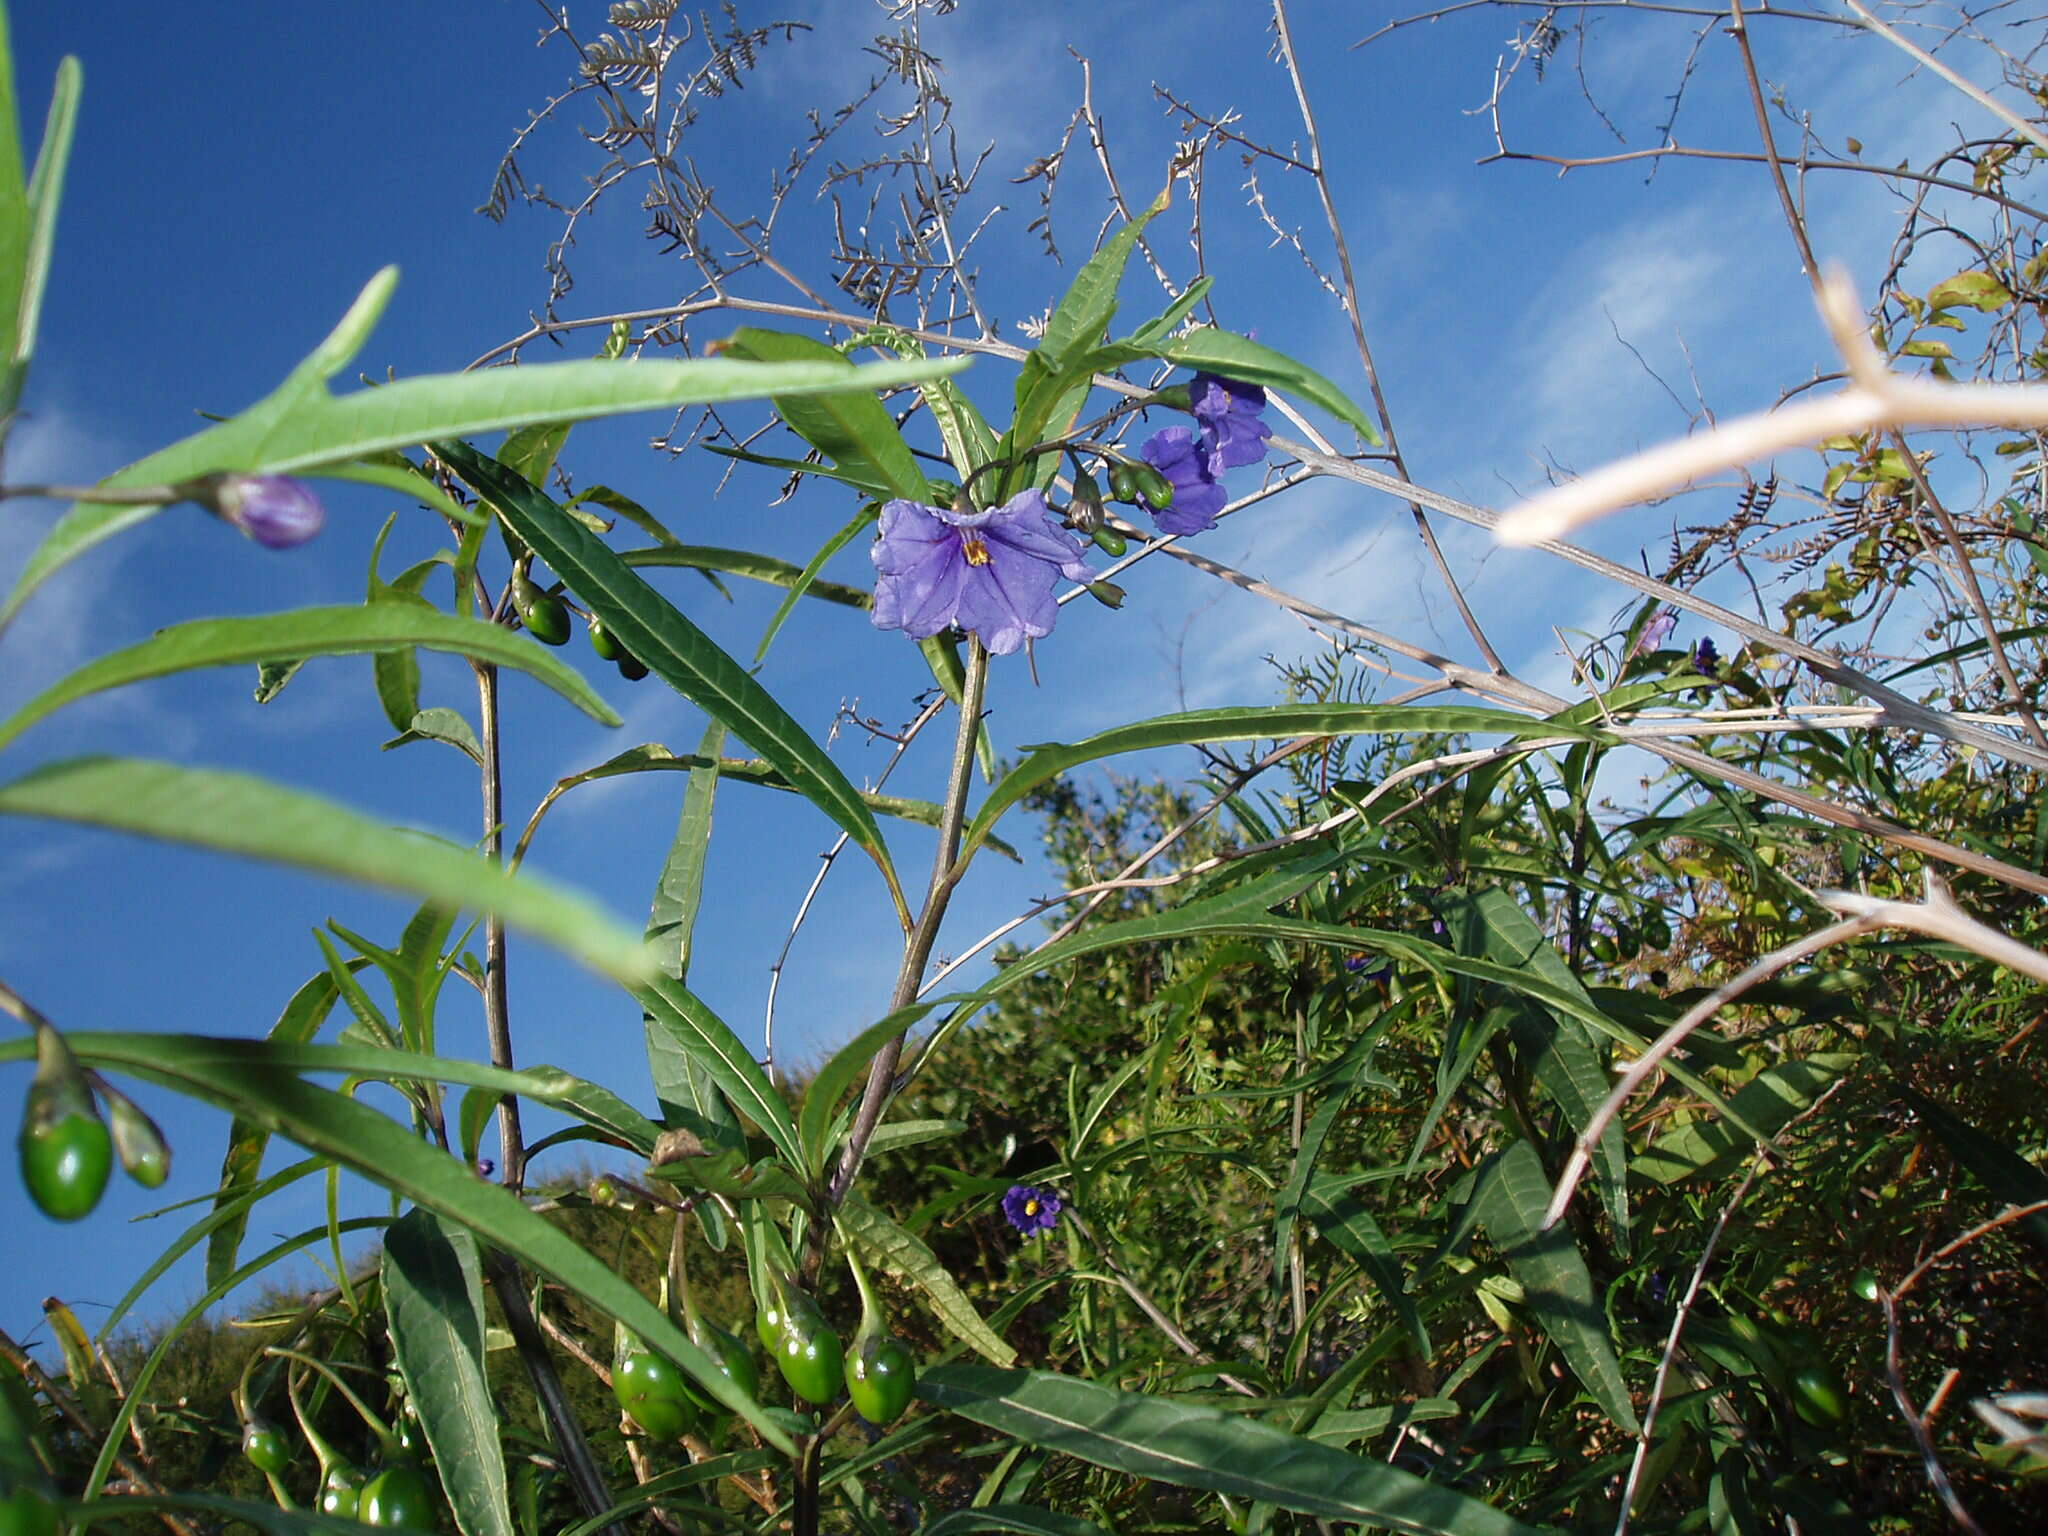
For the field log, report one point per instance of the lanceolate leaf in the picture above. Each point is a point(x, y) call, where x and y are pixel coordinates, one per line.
point(1343, 1218)
point(650, 627)
point(1510, 1200)
point(301, 427)
point(434, 1298)
point(851, 427)
point(45, 195)
point(711, 1043)
point(1240, 724)
point(336, 631)
point(1216, 351)
point(1192, 1446)
point(905, 1255)
point(359, 1138)
point(234, 813)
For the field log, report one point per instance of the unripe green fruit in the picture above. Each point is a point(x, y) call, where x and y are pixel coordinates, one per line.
point(631, 667)
point(27, 1513)
point(1818, 1395)
point(652, 1391)
point(880, 1378)
point(398, 1499)
point(66, 1164)
point(604, 642)
point(544, 615)
point(341, 1491)
point(265, 1448)
point(811, 1361)
point(733, 1360)
point(1864, 1285)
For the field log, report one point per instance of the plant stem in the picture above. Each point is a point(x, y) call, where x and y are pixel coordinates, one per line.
point(497, 1006)
point(917, 949)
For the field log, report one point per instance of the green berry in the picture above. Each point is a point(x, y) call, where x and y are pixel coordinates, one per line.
point(341, 1491)
point(397, 1498)
point(880, 1378)
point(653, 1392)
point(808, 1353)
point(1819, 1395)
point(265, 1448)
point(66, 1163)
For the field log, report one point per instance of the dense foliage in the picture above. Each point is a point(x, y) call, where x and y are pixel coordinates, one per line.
point(1397, 1124)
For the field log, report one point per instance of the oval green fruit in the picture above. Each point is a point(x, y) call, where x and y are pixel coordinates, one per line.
point(733, 1360)
point(652, 1391)
point(397, 1499)
point(547, 619)
point(66, 1165)
point(809, 1356)
point(341, 1491)
point(880, 1379)
point(604, 642)
point(265, 1448)
point(1864, 1285)
point(27, 1513)
point(1818, 1395)
point(631, 667)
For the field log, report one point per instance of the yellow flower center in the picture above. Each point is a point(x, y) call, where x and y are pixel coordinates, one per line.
point(974, 549)
point(1030, 1206)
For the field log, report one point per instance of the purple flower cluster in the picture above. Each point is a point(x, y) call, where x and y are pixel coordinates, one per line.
point(1030, 1210)
point(990, 573)
point(1233, 433)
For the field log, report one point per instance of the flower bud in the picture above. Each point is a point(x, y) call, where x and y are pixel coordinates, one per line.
point(1154, 487)
point(1110, 542)
point(139, 1142)
point(276, 511)
point(1107, 593)
point(1084, 512)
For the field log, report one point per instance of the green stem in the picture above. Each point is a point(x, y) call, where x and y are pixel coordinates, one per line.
point(386, 1440)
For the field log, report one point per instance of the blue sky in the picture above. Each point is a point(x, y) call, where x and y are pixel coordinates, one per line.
point(237, 177)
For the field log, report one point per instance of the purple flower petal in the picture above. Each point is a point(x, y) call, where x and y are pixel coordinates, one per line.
point(1233, 431)
point(1197, 494)
point(276, 511)
point(991, 573)
point(1655, 633)
point(1031, 1210)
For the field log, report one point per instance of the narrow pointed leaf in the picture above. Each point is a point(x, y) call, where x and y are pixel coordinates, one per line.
point(851, 427)
point(905, 1256)
point(710, 1042)
point(1192, 1446)
point(235, 813)
point(336, 631)
point(650, 627)
point(434, 1300)
point(1555, 1281)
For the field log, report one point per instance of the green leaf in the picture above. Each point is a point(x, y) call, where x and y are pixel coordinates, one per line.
point(1278, 722)
point(1998, 1168)
point(1011, 1517)
point(1558, 1046)
point(1511, 1199)
point(247, 1141)
point(448, 726)
point(45, 195)
point(1768, 1101)
point(745, 562)
point(235, 813)
point(653, 630)
point(850, 427)
point(335, 1126)
point(710, 1042)
point(338, 631)
point(807, 578)
point(434, 1300)
point(823, 1092)
point(300, 427)
point(905, 1256)
point(1977, 290)
point(1082, 316)
point(1217, 351)
point(1192, 1446)
point(1343, 1219)
point(16, 222)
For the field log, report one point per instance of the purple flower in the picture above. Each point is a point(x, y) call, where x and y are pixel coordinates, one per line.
point(1233, 432)
point(1655, 633)
point(991, 573)
point(1705, 659)
point(1031, 1211)
point(274, 510)
point(1360, 965)
point(1197, 494)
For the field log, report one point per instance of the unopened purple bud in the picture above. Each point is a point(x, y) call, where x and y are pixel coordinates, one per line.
point(276, 511)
